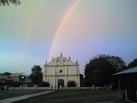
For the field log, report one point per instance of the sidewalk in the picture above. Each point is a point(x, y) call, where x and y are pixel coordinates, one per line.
point(106, 102)
point(14, 99)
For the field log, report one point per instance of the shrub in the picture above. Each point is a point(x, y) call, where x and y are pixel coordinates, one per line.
point(16, 84)
point(30, 84)
point(44, 84)
point(71, 84)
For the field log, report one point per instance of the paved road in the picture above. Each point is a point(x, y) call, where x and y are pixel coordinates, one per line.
point(14, 99)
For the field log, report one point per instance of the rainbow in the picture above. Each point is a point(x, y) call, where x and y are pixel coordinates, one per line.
point(60, 27)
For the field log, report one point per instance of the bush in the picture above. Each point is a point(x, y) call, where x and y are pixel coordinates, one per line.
point(44, 84)
point(71, 84)
point(16, 84)
point(30, 84)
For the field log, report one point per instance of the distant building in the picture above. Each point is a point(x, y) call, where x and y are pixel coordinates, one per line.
point(129, 78)
point(5, 77)
point(60, 71)
point(14, 77)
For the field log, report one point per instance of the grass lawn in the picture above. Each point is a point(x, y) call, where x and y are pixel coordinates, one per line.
point(74, 96)
point(14, 93)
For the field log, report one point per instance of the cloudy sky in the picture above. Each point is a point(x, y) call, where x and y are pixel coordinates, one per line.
point(38, 30)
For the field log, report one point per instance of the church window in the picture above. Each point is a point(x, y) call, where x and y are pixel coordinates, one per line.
point(64, 62)
point(60, 71)
point(57, 61)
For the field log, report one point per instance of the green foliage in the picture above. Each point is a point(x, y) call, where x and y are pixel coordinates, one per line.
point(30, 84)
point(117, 63)
point(99, 70)
point(82, 81)
point(71, 84)
point(6, 74)
point(133, 63)
point(16, 84)
point(7, 2)
point(9, 82)
point(36, 75)
point(81, 77)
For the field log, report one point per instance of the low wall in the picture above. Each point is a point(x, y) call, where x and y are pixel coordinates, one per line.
point(70, 88)
point(83, 88)
point(29, 88)
point(49, 88)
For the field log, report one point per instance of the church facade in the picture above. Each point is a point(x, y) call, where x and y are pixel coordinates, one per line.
point(61, 70)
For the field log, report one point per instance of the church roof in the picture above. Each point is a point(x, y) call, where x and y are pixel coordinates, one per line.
point(60, 57)
point(61, 60)
point(128, 71)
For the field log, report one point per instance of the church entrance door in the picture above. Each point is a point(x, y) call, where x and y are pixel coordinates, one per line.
point(60, 83)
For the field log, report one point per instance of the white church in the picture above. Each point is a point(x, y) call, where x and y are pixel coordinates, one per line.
point(61, 70)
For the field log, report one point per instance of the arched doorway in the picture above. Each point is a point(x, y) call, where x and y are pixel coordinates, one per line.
point(60, 83)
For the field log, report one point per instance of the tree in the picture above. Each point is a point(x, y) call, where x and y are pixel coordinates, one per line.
point(81, 77)
point(132, 64)
point(6, 74)
point(117, 63)
point(36, 75)
point(7, 2)
point(16, 84)
point(82, 80)
point(99, 70)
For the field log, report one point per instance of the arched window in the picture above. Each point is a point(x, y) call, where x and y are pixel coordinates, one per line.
point(57, 61)
point(64, 62)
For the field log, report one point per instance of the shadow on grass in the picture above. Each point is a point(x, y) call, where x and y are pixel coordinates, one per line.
point(14, 93)
point(74, 96)
point(120, 101)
